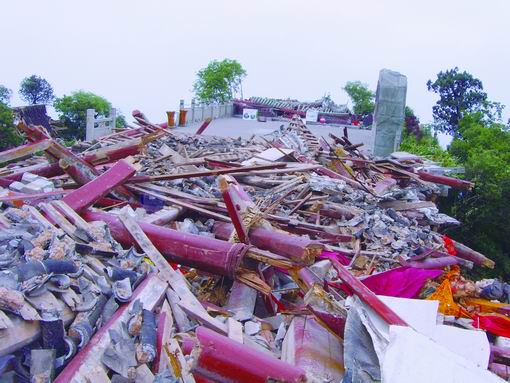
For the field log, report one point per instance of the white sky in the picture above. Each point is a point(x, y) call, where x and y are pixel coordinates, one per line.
point(145, 54)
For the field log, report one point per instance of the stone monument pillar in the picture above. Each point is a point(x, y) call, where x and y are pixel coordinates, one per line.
point(389, 113)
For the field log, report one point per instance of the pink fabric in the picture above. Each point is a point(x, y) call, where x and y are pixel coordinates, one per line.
point(403, 282)
point(336, 255)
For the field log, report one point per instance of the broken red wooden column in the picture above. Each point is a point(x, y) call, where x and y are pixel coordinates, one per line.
point(444, 180)
point(313, 348)
point(244, 214)
point(356, 287)
point(204, 253)
point(466, 252)
point(237, 203)
point(297, 248)
point(204, 126)
point(79, 170)
point(98, 157)
point(221, 359)
point(76, 167)
point(99, 187)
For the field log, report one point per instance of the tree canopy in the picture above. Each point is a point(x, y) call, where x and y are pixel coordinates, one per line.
point(459, 94)
point(72, 111)
point(36, 90)
point(5, 95)
point(219, 81)
point(362, 98)
point(484, 151)
point(8, 134)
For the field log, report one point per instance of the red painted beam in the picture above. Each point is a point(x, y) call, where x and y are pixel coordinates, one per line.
point(204, 253)
point(366, 295)
point(474, 256)
point(99, 187)
point(221, 359)
point(204, 126)
point(444, 180)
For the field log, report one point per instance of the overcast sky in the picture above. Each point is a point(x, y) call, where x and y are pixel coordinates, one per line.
point(145, 54)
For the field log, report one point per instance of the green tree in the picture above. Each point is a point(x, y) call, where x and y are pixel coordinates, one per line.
point(120, 121)
point(362, 98)
point(8, 134)
point(219, 81)
point(426, 145)
point(459, 94)
point(5, 95)
point(36, 90)
point(484, 151)
point(72, 111)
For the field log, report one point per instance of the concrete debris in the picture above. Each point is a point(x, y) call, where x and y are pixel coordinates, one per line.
point(155, 255)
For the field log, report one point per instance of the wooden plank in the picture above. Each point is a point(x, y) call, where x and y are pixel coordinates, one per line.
point(189, 303)
point(24, 332)
point(24, 150)
point(235, 330)
point(41, 219)
point(58, 219)
point(282, 167)
point(165, 332)
point(72, 216)
point(181, 320)
point(208, 321)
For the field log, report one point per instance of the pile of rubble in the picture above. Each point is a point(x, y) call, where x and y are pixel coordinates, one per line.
point(154, 255)
point(326, 109)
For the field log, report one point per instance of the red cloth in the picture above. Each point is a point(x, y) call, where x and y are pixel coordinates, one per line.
point(495, 324)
